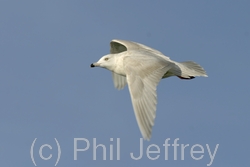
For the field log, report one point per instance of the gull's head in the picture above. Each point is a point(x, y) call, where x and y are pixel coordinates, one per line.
point(106, 61)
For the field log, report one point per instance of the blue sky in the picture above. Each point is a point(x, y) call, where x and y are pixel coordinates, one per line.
point(48, 90)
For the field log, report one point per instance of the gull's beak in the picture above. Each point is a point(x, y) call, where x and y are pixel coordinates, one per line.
point(94, 65)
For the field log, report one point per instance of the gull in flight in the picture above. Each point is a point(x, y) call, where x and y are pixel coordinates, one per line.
point(142, 67)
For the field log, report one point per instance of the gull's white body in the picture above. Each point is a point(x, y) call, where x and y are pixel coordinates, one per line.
point(142, 67)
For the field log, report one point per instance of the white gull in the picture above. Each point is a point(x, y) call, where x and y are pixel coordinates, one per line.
point(142, 67)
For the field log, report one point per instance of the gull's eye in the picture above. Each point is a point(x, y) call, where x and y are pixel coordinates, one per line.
point(106, 59)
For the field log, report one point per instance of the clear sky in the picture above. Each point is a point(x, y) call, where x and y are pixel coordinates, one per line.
point(48, 90)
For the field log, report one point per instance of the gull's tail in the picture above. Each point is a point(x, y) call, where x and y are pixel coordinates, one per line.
point(190, 69)
point(186, 70)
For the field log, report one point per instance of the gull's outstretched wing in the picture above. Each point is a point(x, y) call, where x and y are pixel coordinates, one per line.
point(118, 46)
point(119, 81)
point(143, 73)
